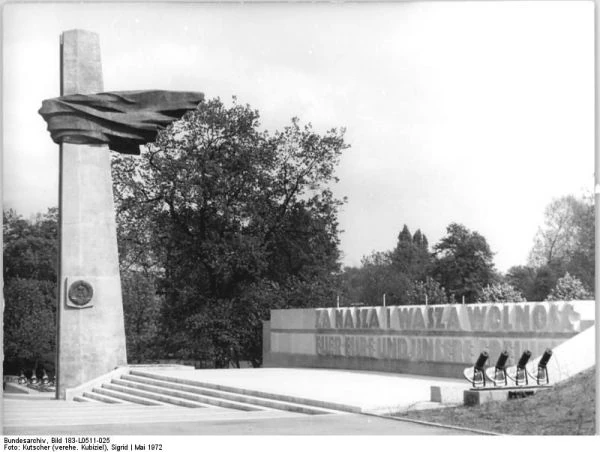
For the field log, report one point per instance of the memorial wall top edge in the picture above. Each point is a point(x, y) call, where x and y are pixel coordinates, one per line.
point(567, 317)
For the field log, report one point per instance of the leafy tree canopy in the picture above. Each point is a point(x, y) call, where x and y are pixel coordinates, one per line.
point(29, 270)
point(427, 292)
point(29, 321)
point(394, 273)
point(30, 246)
point(567, 239)
point(535, 283)
point(411, 255)
point(216, 208)
point(380, 277)
point(565, 243)
point(500, 293)
point(141, 309)
point(569, 288)
point(557, 239)
point(464, 263)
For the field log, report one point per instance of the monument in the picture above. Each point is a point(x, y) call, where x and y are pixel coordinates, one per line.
point(434, 340)
point(87, 124)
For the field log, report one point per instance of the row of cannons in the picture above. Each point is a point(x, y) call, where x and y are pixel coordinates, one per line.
point(500, 376)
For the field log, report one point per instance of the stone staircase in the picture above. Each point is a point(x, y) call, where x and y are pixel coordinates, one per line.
point(145, 388)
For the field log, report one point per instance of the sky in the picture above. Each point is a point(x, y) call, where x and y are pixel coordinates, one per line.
point(479, 113)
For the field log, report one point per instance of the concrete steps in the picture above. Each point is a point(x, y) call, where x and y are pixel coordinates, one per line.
point(220, 397)
point(96, 398)
point(145, 388)
point(150, 397)
point(108, 392)
point(323, 407)
point(174, 397)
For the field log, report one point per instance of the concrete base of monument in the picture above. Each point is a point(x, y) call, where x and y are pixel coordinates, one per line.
point(479, 397)
point(448, 394)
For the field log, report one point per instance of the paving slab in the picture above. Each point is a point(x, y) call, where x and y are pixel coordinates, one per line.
point(364, 392)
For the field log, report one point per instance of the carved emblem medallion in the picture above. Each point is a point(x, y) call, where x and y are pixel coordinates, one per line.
point(80, 293)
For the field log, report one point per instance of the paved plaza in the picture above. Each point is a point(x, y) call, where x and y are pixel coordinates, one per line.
point(359, 392)
point(53, 417)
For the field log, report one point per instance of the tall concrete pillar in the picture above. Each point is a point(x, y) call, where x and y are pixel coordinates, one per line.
point(91, 332)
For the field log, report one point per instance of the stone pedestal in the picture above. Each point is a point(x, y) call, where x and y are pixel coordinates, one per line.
point(91, 333)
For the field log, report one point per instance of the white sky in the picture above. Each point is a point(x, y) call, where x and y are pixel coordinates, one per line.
point(478, 112)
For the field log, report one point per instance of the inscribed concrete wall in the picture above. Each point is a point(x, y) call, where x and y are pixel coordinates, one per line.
point(436, 340)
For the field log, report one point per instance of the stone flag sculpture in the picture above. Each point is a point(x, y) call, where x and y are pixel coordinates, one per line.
point(122, 120)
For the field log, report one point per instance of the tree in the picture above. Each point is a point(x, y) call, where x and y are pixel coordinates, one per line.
point(463, 263)
point(141, 309)
point(522, 278)
point(420, 240)
point(29, 323)
point(391, 272)
point(381, 277)
point(567, 240)
point(428, 291)
point(582, 259)
point(555, 241)
point(351, 286)
point(535, 283)
point(569, 288)
point(500, 293)
point(29, 270)
point(215, 207)
point(30, 247)
point(411, 255)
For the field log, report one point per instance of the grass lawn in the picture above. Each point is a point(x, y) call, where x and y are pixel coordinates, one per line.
point(567, 409)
